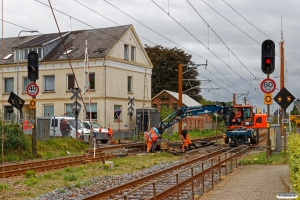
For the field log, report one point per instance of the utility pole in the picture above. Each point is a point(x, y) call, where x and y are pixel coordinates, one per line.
point(179, 95)
point(281, 46)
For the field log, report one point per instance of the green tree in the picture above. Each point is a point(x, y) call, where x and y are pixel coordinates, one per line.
point(165, 111)
point(295, 111)
point(165, 71)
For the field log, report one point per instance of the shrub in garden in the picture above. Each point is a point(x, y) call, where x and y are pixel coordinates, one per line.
point(294, 160)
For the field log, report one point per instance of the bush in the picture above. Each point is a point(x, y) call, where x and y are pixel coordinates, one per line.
point(294, 160)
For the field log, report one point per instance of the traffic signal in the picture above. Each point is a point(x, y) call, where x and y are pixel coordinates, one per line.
point(268, 57)
point(33, 66)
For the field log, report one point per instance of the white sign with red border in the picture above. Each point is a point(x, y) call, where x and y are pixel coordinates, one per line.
point(268, 85)
point(32, 89)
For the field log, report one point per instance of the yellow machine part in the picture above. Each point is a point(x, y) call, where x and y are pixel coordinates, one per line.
point(295, 119)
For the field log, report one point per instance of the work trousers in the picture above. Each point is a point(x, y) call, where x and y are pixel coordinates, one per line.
point(149, 145)
point(153, 146)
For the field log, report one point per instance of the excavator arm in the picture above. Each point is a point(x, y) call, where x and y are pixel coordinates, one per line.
point(185, 111)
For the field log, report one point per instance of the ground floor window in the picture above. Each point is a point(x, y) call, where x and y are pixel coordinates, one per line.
point(48, 110)
point(91, 110)
point(9, 113)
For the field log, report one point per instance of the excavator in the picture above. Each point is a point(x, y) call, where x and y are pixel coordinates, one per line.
point(241, 123)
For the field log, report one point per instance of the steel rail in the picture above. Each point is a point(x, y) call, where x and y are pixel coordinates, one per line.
point(134, 183)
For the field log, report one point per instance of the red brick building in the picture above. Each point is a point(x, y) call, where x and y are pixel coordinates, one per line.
point(170, 99)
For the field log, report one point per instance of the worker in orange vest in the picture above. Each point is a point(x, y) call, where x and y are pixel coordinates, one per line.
point(110, 132)
point(154, 136)
point(185, 138)
point(149, 141)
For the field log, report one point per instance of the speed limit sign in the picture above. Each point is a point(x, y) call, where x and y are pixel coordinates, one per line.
point(268, 85)
point(32, 89)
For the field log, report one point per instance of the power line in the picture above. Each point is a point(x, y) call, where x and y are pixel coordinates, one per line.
point(219, 38)
point(248, 21)
point(140, 23)
point(151, 30)
point(233, 24)
point(85, 23)
point(204, 46)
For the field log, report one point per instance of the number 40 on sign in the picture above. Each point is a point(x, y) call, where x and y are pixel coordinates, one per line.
point(32, 89)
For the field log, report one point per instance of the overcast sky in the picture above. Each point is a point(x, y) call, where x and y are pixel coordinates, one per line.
point(234, 54)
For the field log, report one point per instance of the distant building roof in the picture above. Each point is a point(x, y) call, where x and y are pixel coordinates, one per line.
point(186, 100)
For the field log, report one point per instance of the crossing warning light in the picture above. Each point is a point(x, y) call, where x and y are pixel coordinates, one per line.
point(279, 99)
point(288, 98)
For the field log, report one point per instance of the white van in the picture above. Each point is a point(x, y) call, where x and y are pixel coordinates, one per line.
point(55, 126)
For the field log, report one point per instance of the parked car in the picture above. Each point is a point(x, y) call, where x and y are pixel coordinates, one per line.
point(102, 135)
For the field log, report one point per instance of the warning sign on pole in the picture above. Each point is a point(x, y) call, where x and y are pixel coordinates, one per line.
point(32, 103)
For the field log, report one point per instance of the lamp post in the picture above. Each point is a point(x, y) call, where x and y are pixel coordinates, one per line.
point(18, 60)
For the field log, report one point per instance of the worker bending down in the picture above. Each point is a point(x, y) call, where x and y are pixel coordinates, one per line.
point(154, 135)
point(185, 138)
point(149, 141)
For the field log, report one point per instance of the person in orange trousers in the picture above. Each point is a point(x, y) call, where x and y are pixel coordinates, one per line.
point(185, 138)
point(110, 132)
point(149, 141)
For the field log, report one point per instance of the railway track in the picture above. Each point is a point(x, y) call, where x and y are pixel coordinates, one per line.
point(158, 185)
point(91, 155)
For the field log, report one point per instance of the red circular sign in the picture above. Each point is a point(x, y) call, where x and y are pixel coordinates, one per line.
point(32, 89)
point(268, 85)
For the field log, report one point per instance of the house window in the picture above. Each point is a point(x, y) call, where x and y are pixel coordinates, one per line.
point(92, 81)
point(132, 53)
point(24, 53)
point(175, 107)
point(71, 82)
point(9, 113)
point(117, 107)
point(129, 84)
point(26, 82)
point(93, 111)
point(126, 52)
point(154, 105)
point(49, 111)
point(49, 83)
point(69, 112)
point(8, 85)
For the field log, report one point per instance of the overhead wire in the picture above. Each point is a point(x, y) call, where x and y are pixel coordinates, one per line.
point(158, 34)
point(99, 29)
point(135, 20)
point(248, 21)
point(220, 39)
point(205, 47)
point(233, 23)
point(149, 29)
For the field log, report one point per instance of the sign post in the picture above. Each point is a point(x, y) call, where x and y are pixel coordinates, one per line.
point(75, 105)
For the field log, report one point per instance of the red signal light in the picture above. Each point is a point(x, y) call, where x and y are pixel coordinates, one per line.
point(268, 61)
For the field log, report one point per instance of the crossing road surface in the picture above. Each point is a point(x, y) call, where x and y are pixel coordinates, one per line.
point(251, 182)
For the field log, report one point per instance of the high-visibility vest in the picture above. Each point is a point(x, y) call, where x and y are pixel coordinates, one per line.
point(153, 135)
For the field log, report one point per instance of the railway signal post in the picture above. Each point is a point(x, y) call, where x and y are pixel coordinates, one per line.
point(32, 90)
point(268, 67)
